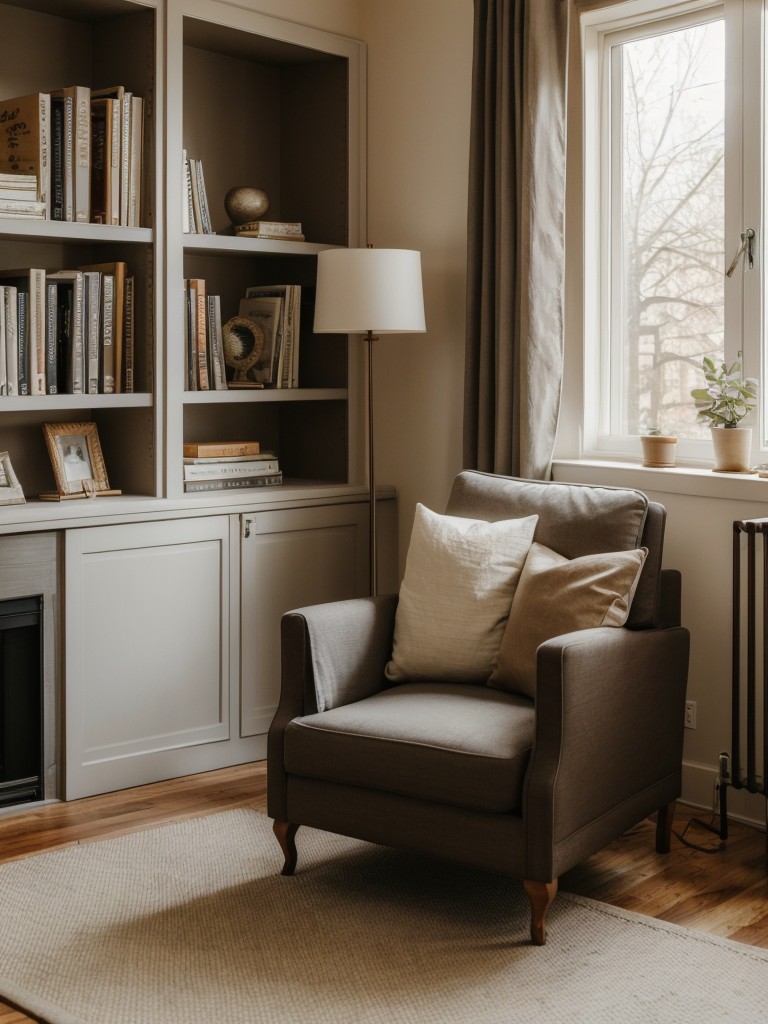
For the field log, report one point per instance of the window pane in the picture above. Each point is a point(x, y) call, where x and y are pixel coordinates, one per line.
point(667, 225)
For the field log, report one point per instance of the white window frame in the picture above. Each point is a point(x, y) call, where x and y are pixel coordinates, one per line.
point(744, 144)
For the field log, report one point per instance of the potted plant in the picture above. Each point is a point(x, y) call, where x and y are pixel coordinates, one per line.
point(658, 449)
point(723, 403)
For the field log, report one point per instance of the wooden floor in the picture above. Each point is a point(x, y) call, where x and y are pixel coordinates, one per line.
point(723, 892)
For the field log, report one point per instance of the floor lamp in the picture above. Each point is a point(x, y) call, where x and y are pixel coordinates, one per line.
point(369, 292)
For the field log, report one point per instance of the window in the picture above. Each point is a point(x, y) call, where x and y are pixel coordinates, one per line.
point(672, 178)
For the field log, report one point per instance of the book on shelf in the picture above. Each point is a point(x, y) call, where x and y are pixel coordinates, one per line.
point(219, 449)
point(25, 141)
point(18, 186)
point(193, 460)
point(76, 142)
point(31, 304)
point(285, 362)
point(233, 483)
point(195, 211)
point(9, 311)
point(105, 160)
point(220, 469)
point(278, 229)
point(118, 271)
point(216, 342)
point(72, 326)
point(129, 335)
point(92, 330)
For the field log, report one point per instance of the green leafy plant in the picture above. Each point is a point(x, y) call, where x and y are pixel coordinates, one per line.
point(728, 397)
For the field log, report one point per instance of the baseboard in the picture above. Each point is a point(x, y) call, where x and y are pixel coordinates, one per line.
point(699, 791)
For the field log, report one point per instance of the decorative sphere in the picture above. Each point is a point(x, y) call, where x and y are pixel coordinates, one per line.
point(246, 202)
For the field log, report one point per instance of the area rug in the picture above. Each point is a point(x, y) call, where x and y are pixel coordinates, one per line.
point(192, 922)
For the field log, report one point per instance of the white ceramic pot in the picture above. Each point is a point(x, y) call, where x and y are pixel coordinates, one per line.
point(658, 450)
point(732, 447)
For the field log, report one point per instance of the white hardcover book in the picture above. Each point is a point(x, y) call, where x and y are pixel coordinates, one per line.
point(227, 470)
point(36, 313)
point(92, 328)
point(3, 346)
point(11, 339)
point(44, 183)
point(135, 161)
point(107, 382)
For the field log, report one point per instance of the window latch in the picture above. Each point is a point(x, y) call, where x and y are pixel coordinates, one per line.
point(747, 237)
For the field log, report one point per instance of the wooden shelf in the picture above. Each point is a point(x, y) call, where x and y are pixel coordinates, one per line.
point(230, 245)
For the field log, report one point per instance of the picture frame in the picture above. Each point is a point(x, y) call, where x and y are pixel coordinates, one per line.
point(10, 488)
point(75, 454)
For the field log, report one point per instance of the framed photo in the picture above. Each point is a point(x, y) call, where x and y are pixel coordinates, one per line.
point(75, 454)
point(10, 488)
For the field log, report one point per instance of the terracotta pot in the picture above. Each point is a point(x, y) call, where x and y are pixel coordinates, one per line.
point(658, 450)
point(732, 447)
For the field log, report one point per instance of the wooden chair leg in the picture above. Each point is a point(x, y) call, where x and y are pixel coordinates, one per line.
point(664, 821)
point(286, 836)
point(541, 895)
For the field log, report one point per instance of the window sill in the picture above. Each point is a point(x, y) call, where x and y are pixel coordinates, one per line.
point(687, 480)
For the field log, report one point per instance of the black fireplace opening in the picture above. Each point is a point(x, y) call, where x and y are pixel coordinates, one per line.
point(21, 701)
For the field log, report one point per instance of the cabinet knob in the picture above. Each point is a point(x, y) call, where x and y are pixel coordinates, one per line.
point(246, 527)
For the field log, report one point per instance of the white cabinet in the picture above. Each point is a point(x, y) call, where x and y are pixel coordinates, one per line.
point(291, 558)
point(172, 659)
point(149, 686)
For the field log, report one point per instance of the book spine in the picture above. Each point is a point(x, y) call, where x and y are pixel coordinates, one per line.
point(78, 357)
point(58, 206)
point(107, 341)
point(69, 148)
point(270, 480)
point(51, 341)
point(81, 156)
point(99, 162)
point(92, 323)
point(37, 332)
point(196, 450)
point(205, 215)
point(129, 344)
point(134, 185)
point(11, 339)
point(202, 349)
point(44, 182)
point(3, 344)
point(114, 141)
point(22, 329)
point(125, 156)
point(230, 470)
point(190, 337)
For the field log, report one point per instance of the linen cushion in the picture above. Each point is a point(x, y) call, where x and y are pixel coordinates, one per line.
point(460, 578)
point(558, 595)
point(456, 743)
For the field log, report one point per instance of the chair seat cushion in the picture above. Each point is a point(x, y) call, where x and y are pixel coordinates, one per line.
point(450, 742)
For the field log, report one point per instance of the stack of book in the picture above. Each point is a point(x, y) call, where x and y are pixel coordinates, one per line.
point(283, 230)
point(196, 215)
point(224, 466)
point(84, 149)
point(18, 196)
point(67, 331)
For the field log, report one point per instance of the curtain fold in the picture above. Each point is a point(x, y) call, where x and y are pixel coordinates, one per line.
point(516, 250)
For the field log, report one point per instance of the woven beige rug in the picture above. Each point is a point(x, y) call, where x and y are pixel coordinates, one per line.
point(192, 923)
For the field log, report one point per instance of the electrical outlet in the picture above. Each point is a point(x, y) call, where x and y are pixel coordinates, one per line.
point(690, 714)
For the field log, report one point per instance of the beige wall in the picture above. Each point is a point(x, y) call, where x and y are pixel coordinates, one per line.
point(419, 71)
point(339, 16)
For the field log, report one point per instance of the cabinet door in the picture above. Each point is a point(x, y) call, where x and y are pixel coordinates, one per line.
point(291, 558)
point(147, 653)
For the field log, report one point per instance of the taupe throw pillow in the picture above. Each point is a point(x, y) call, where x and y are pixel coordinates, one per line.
point(556, 595)
point(460, 578)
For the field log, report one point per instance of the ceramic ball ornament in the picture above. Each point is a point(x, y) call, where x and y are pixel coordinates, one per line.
point(245, 202)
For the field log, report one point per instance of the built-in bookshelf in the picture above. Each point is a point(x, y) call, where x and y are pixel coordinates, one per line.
point(259, 102)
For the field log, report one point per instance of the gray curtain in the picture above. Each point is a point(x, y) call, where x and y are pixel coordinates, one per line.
point(516, 236)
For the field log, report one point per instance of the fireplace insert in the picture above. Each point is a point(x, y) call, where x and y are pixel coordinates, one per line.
point(21, 701)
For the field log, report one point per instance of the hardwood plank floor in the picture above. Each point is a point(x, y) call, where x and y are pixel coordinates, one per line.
point(724, 893)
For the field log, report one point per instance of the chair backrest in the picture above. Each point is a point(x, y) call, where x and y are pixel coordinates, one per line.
point(574, 520)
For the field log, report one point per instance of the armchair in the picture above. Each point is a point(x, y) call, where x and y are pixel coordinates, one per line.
point(478, 775)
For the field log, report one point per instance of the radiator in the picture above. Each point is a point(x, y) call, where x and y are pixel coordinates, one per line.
point(746, 767)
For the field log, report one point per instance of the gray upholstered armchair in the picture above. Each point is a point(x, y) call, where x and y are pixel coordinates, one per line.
point(476, 774)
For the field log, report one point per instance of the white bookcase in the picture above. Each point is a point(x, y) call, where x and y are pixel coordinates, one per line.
point(261, 102)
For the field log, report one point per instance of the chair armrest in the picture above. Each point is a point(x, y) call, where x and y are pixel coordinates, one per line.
point(332, 654)
point(609, 725)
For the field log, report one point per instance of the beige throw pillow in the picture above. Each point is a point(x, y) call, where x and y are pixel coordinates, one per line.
point(556, 595)
point(460, 578)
